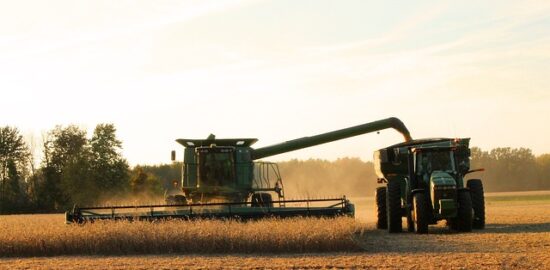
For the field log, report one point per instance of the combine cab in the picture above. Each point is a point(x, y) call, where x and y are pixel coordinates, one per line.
point(220, 179)
point(425, 184)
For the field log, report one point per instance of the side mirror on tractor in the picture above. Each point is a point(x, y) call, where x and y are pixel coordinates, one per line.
point(173, 155)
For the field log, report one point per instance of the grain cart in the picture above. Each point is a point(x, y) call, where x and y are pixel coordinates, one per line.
point(425, 183)
point(221, 178)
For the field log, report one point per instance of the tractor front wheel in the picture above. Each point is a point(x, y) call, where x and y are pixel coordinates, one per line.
point(381, 215)
point(478, 202)
point(393, 206)
point(464, 218)
point(420, 213)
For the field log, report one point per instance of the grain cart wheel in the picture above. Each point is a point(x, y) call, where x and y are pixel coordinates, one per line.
point(393, 206)
point(465, 214)
point(381, 215)
point(478, 203)
point(420, 213)
point(262, 200)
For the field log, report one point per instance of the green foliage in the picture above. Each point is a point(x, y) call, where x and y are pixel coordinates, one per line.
point(109, 170)
point(65, 166)
point(145, 184)
point(81, 171)
point(165, 174)
point(14, 164)
point(511, 169)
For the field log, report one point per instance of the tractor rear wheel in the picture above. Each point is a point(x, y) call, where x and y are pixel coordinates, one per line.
point(478, 202)
point(393, 206)
point(410, 221)
point(420, 213)
point(262, 200)
point(381, 214)
point(464, 218)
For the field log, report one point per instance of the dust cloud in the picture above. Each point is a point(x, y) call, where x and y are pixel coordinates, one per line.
point(321, 178)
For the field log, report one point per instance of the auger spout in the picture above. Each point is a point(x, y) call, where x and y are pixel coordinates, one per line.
point(305, 142)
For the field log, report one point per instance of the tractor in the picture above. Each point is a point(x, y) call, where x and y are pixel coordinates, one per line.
point(425, 183)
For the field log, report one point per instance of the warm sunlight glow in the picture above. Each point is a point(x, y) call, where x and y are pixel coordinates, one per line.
point(278, 70)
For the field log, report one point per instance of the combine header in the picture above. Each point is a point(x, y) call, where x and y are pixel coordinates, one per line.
point(220, 179)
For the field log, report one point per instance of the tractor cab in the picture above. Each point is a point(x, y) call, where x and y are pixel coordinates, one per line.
point(435, 172)
point(433, 160)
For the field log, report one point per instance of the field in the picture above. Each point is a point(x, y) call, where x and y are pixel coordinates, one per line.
point(517, 237)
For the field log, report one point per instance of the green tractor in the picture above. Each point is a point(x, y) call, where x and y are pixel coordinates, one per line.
point(425, 182)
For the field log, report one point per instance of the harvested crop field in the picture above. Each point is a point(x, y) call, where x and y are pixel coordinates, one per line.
point(517, 237)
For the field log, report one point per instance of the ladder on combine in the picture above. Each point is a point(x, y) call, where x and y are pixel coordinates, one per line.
point(268, 178)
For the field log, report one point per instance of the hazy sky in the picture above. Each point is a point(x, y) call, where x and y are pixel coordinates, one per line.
point(278, 70)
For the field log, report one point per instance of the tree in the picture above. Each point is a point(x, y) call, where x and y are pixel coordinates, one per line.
point(109, 169)
point(138, 181)
point(66, 163)
point(14, 156)
point(543, 169)
point(145, 186)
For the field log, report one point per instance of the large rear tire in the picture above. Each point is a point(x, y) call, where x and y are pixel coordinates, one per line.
point(478, 202)
point(410, 221)
point(465, 215)
point(393, 206)
point(420, 213)
point(381, 214)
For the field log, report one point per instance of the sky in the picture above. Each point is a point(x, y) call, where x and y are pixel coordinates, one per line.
point(278, 70)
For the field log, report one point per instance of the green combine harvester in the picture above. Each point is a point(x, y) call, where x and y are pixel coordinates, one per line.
point(221, 178)
point(425, 182)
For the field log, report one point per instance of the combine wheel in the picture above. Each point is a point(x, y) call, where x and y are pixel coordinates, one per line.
point(176, 200)
point(381, 215)
point(393, 206)
point(464, 219)
point(262, 200)
point(420, 213)
point(478, 203)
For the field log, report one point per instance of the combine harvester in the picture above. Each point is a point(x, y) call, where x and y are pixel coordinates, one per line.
point(221, 180)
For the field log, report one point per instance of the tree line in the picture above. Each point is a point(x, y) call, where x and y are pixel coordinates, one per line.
point(75, 169)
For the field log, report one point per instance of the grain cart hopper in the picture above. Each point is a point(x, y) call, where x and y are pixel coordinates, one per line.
point(425, 183)
point(220, 179)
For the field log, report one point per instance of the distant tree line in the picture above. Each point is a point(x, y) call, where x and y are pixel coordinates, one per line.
point(75, 169)
point(512, 169)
